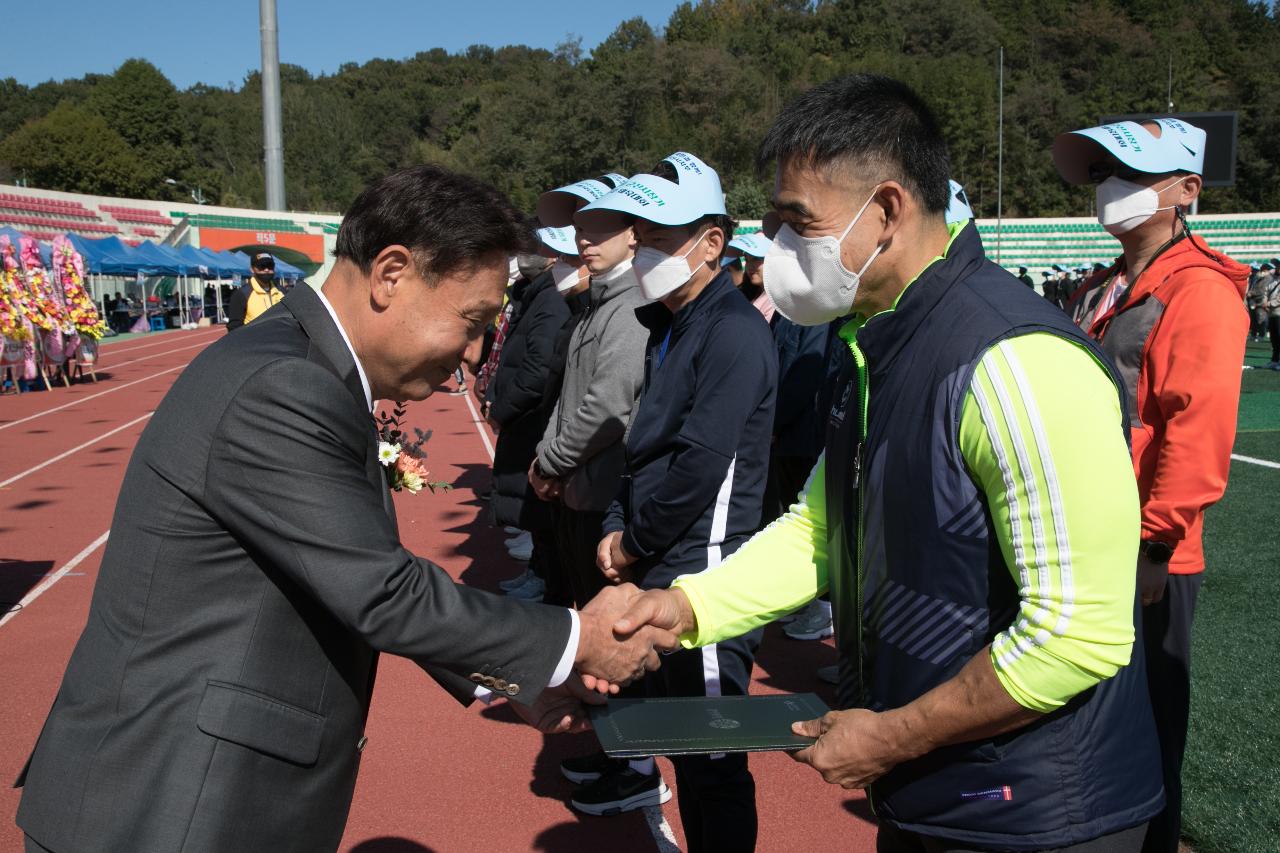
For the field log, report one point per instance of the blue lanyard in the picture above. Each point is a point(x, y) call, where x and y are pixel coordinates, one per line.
point(662, 350)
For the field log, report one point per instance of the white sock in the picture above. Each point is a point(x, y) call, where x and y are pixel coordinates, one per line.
point(647, 766)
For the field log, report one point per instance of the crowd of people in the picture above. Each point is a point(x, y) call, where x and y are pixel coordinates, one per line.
point(852, 418)
point(648, 424)
point(1263, 301)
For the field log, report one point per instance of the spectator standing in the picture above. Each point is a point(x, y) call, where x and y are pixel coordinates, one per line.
point(1271, 301)
point(1170, 314)
point(581, 456)
point(527, 376)
point(697, 460)
point(256, 295)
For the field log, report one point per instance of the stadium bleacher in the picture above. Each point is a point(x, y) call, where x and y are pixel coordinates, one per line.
point(134, 214)
point(1038, 244)
point(248, 223)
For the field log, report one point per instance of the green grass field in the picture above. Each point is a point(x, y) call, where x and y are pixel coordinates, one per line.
point(1232, 772)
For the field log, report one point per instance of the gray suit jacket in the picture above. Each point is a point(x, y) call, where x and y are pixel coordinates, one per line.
point(217, 697)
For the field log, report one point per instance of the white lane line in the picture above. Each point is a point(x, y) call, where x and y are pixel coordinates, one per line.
point(112, 390)
point(1266, 463)
point(45, 464)
point(479, 424)
point(128, 348)
point(663, 837)
point(49, 581)
point(153, 355)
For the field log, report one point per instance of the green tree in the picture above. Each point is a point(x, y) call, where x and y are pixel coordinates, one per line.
point(73, 150)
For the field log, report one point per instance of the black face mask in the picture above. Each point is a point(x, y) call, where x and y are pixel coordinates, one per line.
point(264, 278)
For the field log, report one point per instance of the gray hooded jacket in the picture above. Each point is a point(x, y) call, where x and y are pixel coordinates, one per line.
point(584, 441)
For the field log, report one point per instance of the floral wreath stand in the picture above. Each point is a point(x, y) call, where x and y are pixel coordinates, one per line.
point(52, 359)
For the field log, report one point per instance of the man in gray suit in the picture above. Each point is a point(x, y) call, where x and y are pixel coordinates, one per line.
point(217, 696)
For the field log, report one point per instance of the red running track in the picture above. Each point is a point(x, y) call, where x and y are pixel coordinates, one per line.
point(435, 776)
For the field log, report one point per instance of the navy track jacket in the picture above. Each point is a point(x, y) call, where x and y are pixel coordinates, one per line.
point(698, 447)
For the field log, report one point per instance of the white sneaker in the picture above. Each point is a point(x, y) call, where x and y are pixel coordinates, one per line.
point(522, 551)
point(516, 582)
point(813, 623)
point(530, 591)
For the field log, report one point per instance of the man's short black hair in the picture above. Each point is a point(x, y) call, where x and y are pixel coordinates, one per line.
point(878, 125)
point(449, 221)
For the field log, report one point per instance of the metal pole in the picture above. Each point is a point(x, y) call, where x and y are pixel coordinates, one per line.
point(1000, 162)
point(272, 135)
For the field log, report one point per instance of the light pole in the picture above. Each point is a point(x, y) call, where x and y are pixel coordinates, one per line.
point(272, 134)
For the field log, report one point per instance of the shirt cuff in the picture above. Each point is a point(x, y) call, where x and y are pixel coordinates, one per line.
point(565, 667)
point(485, 695)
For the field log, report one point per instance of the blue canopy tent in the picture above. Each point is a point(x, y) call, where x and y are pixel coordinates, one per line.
point(286, 270)
point(238, 261)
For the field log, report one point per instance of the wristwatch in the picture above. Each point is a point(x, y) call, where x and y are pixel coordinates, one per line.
point(1155, 550)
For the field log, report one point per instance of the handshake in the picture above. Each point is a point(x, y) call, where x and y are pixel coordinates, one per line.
point(621, 633)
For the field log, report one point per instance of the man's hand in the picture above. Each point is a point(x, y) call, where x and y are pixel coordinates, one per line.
point(668, 609)
point(1152, 578)
point(609, 661)
point(854, 748)
point(546, 488)
point(612, 558)
point(560, 710)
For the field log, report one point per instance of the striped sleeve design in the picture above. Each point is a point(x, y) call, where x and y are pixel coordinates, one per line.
point(747, 590)
point(1041, 434)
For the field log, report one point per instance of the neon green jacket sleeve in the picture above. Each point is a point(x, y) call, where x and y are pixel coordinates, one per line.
point(781, 568)
point(1040, 432)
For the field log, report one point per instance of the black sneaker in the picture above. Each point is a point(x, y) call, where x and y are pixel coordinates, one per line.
point(589, 768)
point(621, 790)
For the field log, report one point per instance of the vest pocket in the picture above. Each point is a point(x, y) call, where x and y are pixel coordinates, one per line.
point(259, 722)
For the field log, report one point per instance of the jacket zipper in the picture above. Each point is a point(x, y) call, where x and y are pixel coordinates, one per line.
point(863, 398)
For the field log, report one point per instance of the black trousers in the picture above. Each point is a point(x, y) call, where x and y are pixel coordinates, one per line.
point(890, 839)
point(547, 563)
point(717, 794)
point(33, 846)
point(1273, 330)
point(1166, 631)
point(578, 534)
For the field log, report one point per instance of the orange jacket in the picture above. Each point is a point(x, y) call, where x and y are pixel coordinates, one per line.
point(1178, 338)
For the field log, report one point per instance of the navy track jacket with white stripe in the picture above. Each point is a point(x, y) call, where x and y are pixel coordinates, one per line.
point(698, 447)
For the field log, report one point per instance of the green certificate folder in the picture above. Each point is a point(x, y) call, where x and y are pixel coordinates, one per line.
point(631, 728)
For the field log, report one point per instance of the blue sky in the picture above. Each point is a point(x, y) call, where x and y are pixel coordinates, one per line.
point(216, 41)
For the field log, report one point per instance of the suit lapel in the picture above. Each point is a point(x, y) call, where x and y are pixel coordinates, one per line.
point(327, 341)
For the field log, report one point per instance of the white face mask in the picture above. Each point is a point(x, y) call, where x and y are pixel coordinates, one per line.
point(660, 273)
point(1124, 205)
point(566, 276)
point(807, 280)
